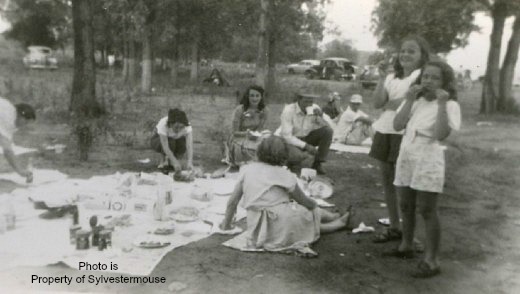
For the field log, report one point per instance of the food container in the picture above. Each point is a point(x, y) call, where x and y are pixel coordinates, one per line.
point(72, 233)
point(105, 239)
point(95, 235)
point(82, 240)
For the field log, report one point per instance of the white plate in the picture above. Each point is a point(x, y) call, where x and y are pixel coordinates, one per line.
point(320, 189)
point(151, 244)
point(185, 214)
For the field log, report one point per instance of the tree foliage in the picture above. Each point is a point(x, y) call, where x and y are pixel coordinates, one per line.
point(340, 48)
point(446, 24)
point(43, 22)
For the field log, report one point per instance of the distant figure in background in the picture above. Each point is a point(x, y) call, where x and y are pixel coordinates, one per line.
point(13, 118)
point(248, 118)
point(354, 126)
point(333, 107)
point(217, 79)
point(173, 138)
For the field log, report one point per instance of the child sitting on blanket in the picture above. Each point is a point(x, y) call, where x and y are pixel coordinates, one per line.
point(354, 126)
point(279, 215)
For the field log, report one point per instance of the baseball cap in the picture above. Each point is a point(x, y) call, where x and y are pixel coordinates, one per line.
point(356, 98)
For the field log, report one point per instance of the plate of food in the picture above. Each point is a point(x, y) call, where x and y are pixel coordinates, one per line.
point(165, 230)
point(185, 214)
point(320, 188)
point(151, 244)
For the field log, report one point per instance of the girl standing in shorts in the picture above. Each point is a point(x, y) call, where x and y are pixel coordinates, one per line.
point(390, 92)
point(429, 114)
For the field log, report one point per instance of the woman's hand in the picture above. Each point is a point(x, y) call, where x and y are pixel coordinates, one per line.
point(177, 165)
point(382, 68)
point(413, 92)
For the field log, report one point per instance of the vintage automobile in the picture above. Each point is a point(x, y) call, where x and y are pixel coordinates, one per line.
point(333, 68)
point(302, 66)
point(40, 57)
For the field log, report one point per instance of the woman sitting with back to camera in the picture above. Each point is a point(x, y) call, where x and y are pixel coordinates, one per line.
point(250, 116)
point(280, 216)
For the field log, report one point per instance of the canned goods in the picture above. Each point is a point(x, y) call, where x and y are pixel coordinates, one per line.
point(72, 233)
point(82, 240)
point(105, 239)
point(169, 197)
point(95, 234)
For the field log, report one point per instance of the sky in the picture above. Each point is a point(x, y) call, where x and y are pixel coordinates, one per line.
point(353, 20)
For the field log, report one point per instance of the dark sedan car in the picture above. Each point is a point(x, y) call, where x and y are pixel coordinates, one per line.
point(333, 68)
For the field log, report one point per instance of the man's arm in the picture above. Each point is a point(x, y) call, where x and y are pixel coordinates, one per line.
point(287, 129)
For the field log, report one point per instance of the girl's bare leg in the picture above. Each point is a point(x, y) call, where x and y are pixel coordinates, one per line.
point(427, 207)
point(388, 173)
point(337, 224)
point(407, 202)
point(327, 216)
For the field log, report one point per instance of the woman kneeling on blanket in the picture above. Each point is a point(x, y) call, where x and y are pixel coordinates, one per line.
point(279, 215)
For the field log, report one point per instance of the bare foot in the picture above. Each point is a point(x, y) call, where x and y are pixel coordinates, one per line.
point(345, 219)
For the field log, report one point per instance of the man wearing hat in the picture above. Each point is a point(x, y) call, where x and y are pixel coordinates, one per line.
point(13, 117)
point(353, 125)
point(306, 132)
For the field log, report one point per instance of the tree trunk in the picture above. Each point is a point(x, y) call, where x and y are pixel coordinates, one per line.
point(83, 102)
point(270, 84)
point(506, 101)
point(194, 73)
point(146, 78)
point(263, 44)
point(174, 70)
point(132, 64)
point(491, 80)
point(125, 53)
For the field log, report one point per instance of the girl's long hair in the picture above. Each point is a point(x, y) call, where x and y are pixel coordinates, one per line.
point(449, 83)
point(425, 54)
point(245, 97)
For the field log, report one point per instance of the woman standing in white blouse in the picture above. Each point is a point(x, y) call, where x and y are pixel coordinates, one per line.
point(429, 114)
point(389, 94)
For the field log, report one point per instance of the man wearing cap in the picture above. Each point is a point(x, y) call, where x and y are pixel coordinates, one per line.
point(305, 131)
point(353, 125)
point(13, 117)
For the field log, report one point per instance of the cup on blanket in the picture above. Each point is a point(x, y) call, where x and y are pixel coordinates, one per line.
point(308, 174)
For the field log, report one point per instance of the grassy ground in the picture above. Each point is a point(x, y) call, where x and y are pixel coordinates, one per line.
point(479, 210)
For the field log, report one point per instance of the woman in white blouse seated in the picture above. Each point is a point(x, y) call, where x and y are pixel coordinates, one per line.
point(173, 139)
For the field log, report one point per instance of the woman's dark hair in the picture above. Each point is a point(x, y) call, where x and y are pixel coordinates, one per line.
point(25, 110)
point(273, 150)
point(448, 77)
point(245, 97)
point(424, 46)
point(177, 116)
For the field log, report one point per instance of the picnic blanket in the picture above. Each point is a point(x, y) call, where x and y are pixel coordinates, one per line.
point(38, 242)
point(362, 149)
point(19, 150)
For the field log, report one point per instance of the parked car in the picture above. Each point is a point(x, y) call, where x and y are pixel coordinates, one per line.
point(40, 57)
point(333, 68)
point(302, 66)
point(369, 77)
